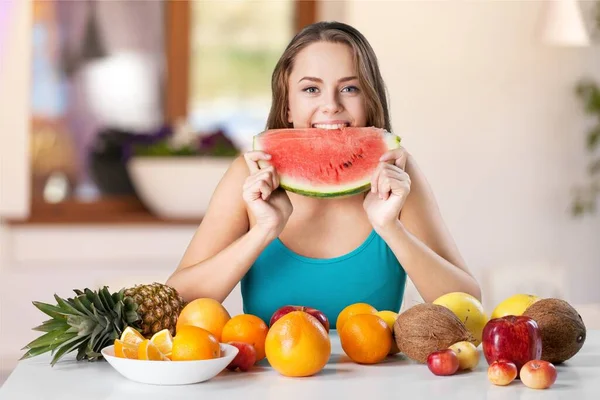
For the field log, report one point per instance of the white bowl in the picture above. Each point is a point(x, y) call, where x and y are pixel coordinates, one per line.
point(170, 372)
point(177, 187)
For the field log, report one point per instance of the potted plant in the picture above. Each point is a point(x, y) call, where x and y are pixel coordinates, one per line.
point(175, 174)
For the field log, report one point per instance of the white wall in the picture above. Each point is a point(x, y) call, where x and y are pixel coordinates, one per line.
point(15, 66)
point(490, 115)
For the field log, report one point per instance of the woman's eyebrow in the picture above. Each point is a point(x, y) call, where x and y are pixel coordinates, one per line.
point(314, 79)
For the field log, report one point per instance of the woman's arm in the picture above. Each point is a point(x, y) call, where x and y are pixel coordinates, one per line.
point(223, 248)
point(423, 245)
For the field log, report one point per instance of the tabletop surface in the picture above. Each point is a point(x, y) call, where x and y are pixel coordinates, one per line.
point(395, 378)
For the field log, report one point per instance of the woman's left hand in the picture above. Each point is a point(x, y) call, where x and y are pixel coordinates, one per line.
point(390, 186)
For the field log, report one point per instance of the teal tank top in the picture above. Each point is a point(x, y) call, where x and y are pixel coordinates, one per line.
point(369, 274)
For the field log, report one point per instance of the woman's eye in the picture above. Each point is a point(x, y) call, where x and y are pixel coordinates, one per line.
point(350, 89)
point(311, 89)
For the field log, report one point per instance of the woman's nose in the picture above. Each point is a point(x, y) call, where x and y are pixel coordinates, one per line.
point(332, 103)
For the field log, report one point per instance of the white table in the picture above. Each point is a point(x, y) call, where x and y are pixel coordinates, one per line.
point(396, 378)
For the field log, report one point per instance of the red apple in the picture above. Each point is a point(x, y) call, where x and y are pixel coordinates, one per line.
point(319, 315)
point(538, 374)
point(245, 358)
point(502, 373)
point(512, 338)
point(443, 362)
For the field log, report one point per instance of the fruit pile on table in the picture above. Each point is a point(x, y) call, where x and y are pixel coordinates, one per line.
point(525, 336)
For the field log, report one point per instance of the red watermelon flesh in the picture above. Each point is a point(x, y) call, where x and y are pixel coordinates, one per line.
point(326, 162)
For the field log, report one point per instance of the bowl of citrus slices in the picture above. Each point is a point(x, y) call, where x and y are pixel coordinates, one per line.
point(193, 355)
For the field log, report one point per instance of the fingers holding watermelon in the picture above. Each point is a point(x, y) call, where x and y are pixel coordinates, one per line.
point(259, 185)
point(397, 157)
point(270, 207)
point(390, 187)
point(253, 157)
point(263, 178)
point(391, 180)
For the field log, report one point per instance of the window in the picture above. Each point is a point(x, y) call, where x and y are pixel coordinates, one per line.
point(219, 57)
point(234, 48)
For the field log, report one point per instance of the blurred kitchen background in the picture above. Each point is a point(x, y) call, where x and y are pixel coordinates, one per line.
point(118, 118)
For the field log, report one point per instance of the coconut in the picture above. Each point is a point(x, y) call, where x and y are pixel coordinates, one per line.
point(561, 327)
point(425, 328)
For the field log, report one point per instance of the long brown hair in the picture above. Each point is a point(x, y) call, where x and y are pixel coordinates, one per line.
point(365, 61)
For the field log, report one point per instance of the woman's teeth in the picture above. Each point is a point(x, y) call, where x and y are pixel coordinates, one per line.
point(330, 126)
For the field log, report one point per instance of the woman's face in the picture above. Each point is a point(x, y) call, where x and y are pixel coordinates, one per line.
point(324, 90)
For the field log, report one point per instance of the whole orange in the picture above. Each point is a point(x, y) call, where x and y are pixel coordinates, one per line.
point(193, 343)
point(298, 345)
point(247, 328)
point(366, 338)
point(353, 309)
point(204, 313)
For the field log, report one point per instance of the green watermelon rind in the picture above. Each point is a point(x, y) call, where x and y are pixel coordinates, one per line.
point(343, 193)
point(350, 189)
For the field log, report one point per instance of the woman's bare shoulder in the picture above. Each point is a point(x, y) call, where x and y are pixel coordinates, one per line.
point(226, 218)
point(421, 215)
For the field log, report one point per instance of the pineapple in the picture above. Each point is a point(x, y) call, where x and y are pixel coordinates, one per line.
point(93, 320)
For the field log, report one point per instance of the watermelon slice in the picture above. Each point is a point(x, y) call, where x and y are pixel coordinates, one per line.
point(325, 162)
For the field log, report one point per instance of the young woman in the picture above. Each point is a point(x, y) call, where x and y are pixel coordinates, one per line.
point(323, 253)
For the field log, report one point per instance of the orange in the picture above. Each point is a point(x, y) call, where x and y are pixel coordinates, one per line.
point(148, 351)
point(353, 309)
point(193, 343)
point(126, 350)
point(390, 319)
point(247, 328)
point(131, 336)
point(164, 341)
point(204, 313)
point(366, 338)
point(297, 345)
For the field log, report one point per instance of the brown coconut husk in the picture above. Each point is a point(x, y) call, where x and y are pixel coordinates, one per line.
point(562, 329)
point(427, 327)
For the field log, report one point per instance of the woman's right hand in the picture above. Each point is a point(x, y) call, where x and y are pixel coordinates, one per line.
point(270, 206)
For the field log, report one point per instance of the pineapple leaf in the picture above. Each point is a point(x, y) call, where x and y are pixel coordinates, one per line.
point(36, 352)
point(96, 315)
point(82, 352)
point(86, 327)
point(108, 298)
point(78, 292)
point(118, 326)
point(131, 316)
point(95, 299)
point(120, 295)
point(105, 303)
point(107, 322)
point(77, 306)
point(119, 311)
point(50, 310)
point(93, 355)
point(47, 339)
point(67, 337)
point(80, 306)
point(66, 306)
point(104, 337)
point(67, 347)
point(130, 304)
point(51, 325)
point(82, 326)
point(97, 330)
point(87, 304)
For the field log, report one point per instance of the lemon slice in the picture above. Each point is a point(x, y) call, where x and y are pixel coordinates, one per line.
point(126, 350)
point(131, 336)
point(148, 351)
point(164, 341)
